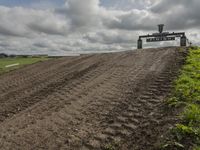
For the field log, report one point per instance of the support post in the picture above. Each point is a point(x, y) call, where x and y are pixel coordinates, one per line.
point(139, 43)
point(160, 28)
point(183, 41)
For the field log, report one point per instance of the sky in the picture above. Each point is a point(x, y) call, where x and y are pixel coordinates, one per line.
point(61, 27)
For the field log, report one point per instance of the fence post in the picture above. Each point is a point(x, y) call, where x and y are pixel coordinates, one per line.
point(139, 43)
point(183, 41)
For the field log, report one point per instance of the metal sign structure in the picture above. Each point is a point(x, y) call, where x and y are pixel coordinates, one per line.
point(160, 39)
point(163, 36)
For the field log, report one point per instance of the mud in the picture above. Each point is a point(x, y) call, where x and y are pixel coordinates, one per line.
point(89, 102)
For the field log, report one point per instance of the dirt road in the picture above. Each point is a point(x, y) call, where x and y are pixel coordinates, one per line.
point(89, 102)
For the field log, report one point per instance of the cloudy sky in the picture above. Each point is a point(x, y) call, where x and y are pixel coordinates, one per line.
point(59, 27)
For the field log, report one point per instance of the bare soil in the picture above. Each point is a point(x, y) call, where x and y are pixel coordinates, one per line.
point(99, 101)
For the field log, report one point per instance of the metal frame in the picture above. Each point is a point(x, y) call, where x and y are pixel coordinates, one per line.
point(161, 34)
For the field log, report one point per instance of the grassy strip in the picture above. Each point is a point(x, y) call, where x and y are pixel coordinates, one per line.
point(186, 134)
point(18, 60)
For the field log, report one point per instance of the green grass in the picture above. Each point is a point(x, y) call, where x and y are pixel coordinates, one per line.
point(18, 60)
point(187, 92)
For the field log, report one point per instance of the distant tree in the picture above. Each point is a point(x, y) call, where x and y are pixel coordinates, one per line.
point(2, 55)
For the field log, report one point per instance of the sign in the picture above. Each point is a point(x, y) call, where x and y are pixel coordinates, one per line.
point(156, 39)
point(162, 36)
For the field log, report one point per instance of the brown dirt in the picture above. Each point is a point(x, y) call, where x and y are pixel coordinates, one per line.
point(89, 102)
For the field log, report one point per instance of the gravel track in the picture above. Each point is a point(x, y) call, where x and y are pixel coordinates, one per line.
point(90, 101)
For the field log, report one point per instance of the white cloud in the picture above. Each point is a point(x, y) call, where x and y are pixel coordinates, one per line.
point(90, 26)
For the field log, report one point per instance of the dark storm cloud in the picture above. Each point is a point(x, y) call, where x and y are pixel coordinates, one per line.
point(163, 6)
point(106, 37)
point(4, 44)
point(132, 20)
point(175, 14)
point(47, 29)
point(82, 15)
point(178, 14)
point(41, 45)
point(25, 22)
point(8, 32)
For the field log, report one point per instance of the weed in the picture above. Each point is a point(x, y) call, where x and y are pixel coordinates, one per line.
point(112, 146)
point(187, 92)
point(182, 131)
point(191, 115)
point(197, 148)
point(109, 147)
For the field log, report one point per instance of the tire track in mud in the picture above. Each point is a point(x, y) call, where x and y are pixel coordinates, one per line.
point(77, 75)
point(111, 101)
point(106, 98)
point(127, 121)
point(108, 78)
point(37, 75)
point(106, 95)
point(20, 100)
point(94, 89)
point(25, 102)
point(19, 76)
point(135, 117)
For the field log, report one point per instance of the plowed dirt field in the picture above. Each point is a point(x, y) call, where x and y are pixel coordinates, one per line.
point(89, 102)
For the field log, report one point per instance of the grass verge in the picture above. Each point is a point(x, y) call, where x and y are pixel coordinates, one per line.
point(186, 134)
point(4, 62)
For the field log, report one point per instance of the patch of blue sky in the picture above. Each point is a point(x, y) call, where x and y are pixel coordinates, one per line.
point(29, 3)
